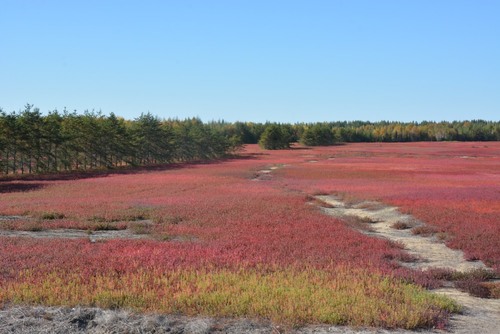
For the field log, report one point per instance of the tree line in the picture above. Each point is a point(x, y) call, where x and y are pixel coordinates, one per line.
point(31, 142)
point(276, 135)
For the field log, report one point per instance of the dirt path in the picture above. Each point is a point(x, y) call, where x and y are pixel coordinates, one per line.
point(480, 315)
point(433, 253)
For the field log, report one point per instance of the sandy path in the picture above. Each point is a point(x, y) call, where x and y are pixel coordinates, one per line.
point(74, 234)
point(434, 254)
point(480, 315)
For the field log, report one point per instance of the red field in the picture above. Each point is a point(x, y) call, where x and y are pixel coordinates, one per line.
point(452, 186)
point(224, 243)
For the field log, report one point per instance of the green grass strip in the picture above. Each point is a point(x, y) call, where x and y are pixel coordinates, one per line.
point(346, 297)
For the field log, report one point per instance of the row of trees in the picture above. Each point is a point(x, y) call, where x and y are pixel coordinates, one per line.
point(31, 142)
point(270, 135)
point(34, 143)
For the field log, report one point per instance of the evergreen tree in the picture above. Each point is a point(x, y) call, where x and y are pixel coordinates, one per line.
point(319, 134)
point(275, 137)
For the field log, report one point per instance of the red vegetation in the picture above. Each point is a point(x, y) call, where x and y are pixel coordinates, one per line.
point(451, 186)
point(237, 221)
point(233, 221)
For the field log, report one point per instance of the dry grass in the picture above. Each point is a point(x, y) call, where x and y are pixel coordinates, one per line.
point(357, 223)
point(494, 288)
point(424, 230)
point(474, 282)
point(141, 227)
point(402, 225)
point(51, 215)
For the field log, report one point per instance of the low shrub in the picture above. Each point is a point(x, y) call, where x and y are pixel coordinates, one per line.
point(444, 274)
point(358, 223)
point(472, 282)
point(494, 288)
point(33, 226)
point(141, 227)
point(107, 226)
point(51, 215)
point(423, 230)
point(476, 274)
point(400, 225)
point(474, 287)
point(443, 236)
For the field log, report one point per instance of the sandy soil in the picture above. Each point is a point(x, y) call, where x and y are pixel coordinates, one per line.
point(74, 234)
point(31, 320)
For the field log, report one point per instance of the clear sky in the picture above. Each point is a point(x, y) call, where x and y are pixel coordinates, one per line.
point(252, 60)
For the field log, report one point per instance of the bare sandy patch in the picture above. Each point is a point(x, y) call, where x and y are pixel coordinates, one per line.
point(74, 234)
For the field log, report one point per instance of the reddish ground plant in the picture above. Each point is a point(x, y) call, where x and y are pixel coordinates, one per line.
point(247, 229)
point(451, 186)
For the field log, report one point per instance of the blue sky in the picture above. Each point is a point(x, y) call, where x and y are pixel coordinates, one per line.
point(250, 60)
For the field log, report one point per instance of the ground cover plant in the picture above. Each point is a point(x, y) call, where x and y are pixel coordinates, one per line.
point(453, 187)
point(239, 245)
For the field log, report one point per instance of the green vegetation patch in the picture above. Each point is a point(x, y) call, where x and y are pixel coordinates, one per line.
point(291, 297)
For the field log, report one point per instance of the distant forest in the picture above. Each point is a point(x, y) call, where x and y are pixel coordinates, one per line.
point(32, 142)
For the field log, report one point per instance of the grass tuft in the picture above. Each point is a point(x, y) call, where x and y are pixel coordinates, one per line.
point(494, 288)
point(400, 225)
point(51, 215)
point(423, 230)
point(473, 287)
point(141, 227)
